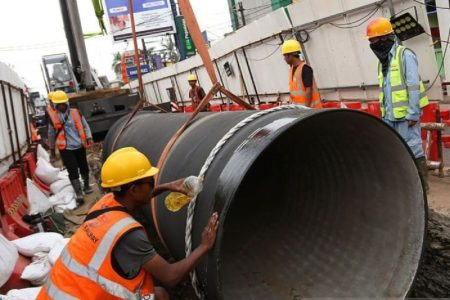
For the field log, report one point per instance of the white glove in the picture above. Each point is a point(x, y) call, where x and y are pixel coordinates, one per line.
point(193, 185)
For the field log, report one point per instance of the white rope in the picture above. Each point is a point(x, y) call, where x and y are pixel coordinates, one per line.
point(204, 169)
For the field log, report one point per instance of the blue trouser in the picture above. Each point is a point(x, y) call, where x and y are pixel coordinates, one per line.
point(411, 135)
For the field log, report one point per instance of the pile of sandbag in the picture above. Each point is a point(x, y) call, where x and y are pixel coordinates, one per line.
point(22, 294)
point(8, 259)
point(44, 249)
point(63, 197)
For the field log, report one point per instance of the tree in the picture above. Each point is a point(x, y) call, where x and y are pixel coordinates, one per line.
point(149, 56)
point(169, 50)
point(116, 64)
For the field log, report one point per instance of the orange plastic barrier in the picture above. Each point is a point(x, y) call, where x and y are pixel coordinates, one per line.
point(14, 203)
point(265, 106)
point(373, 108)
point(215, 107)
point(30, 164)
point(236, 107)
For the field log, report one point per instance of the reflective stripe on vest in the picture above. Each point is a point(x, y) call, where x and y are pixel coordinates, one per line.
point(61, 141)
point(399, 89)
point(91, 271)
point(55, 292)
point(298, 91)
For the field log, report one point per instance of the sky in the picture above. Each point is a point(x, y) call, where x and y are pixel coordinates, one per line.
point(30, 29)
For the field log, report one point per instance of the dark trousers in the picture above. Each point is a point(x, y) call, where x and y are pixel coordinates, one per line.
point(74, 160)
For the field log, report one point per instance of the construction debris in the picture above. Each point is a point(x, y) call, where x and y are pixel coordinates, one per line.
point(433, 278)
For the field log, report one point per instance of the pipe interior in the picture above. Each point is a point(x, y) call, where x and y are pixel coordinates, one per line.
point(334, 207)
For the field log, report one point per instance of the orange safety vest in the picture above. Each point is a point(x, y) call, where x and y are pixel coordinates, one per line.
point(35, 137)
point(298, 91)
point(61, 141)
point(195, 97)
point(84, 269)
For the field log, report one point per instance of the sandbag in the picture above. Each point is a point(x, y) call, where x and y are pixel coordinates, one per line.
point(39, 202)
point(64, 197)
point(37, 242)
point(61, 208)
point(41, 153)
point(60, 185)
point(64, 174)
point(38, 270)
point(8, 259)
point(56, 250)
point(46, 172)
point(24, 294)
point(64, 200)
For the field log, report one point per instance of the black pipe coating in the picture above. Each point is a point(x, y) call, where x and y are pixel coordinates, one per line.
point(312, 203)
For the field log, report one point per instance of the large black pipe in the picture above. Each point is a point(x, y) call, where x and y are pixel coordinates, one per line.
point(312, 203)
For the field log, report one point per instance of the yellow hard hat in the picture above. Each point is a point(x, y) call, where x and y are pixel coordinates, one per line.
point(124, 166)
point(59, 97)
point(50, 95)
point(192, 77)
point(378, 27)
point(290, 46)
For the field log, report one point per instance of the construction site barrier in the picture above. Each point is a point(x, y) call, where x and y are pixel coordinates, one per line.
point(14, 203)
point(317, 203)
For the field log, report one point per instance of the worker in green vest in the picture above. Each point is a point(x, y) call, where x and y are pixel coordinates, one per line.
point(402, 93)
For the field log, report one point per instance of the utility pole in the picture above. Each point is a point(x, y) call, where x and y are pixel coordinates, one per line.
point(136, 49)
point(69, 36)
point(241, 11)
point(74, 15)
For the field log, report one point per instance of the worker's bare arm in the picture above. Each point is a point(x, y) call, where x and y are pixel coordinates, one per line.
point(308, 97)
point(171, 274)
point(173, 186)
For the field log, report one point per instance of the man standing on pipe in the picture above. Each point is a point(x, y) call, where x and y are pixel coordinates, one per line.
point(302, 88)
point(69, 131)
point(110, 255)
point(196, 93)
point(402, 93)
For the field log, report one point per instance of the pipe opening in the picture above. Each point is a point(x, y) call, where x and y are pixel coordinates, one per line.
point(334, 207)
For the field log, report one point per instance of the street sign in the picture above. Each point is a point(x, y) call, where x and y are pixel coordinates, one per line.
point(132, 71)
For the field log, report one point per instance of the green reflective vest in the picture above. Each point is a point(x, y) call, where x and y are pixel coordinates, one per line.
point(399, 89)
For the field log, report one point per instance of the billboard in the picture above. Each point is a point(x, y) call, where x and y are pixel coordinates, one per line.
point(151, 17)
point(185, 43)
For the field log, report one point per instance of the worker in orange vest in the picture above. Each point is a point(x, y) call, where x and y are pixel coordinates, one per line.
point(69, 132)
point(196, 93)
point(110, 255)
point(302, 88)
point(35, 136)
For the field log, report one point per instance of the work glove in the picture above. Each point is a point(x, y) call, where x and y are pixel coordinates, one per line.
point(193, 185)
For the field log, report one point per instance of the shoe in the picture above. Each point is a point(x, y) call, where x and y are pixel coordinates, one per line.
point(423, 171)
point(86, 186)
point(78, 192)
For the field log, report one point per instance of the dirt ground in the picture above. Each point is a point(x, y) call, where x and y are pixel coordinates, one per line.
point(433, 278)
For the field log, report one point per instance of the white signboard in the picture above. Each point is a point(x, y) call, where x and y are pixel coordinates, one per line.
point(151, 17)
